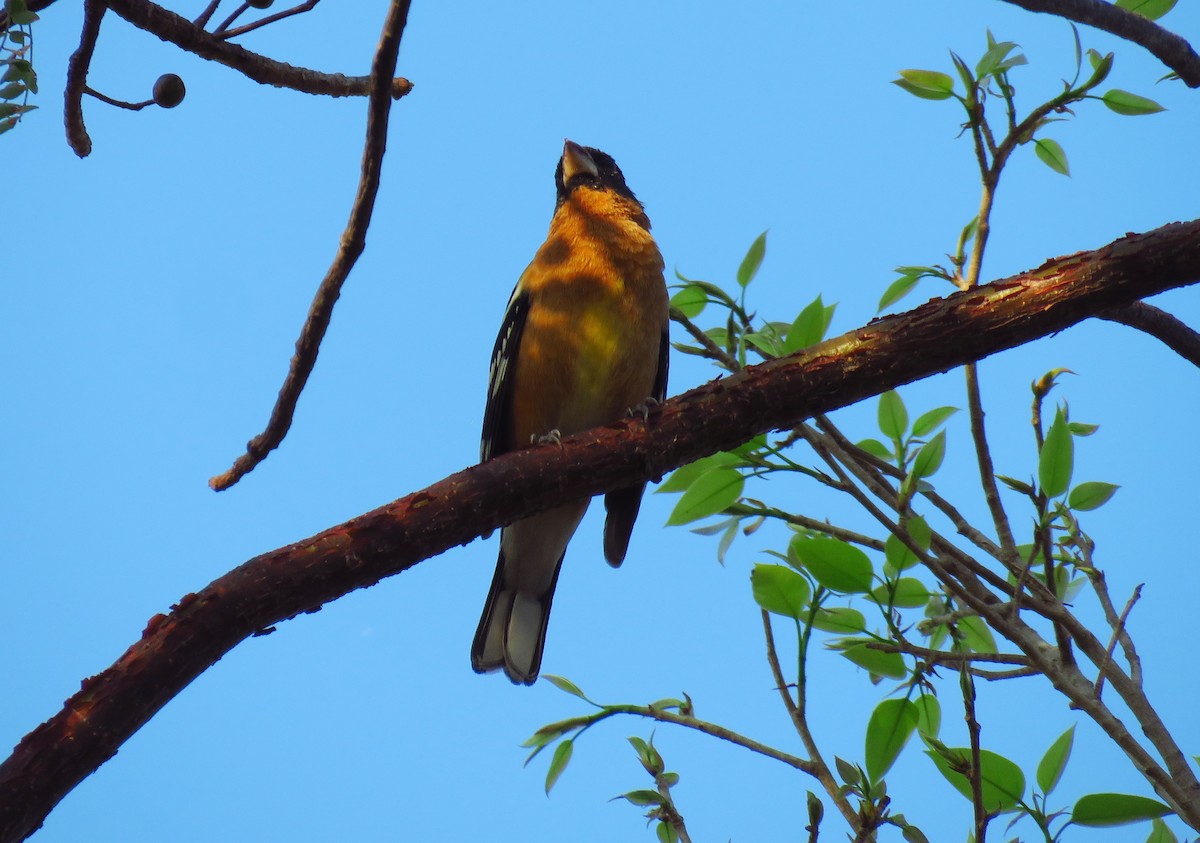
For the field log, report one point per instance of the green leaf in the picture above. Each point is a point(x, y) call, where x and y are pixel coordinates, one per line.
point(1050, 768)
point(683, 477)
point(1052, 155)
point(709, 494)
point(891, 725)
point(897, 556)
point(1107, 809)
point(643, 797)
point(564, 684)
point(690, 300)
point(929, 715)
point(929, 458)
point(666, 833)
point(12, 91)
point(905, 593)
point(893, 418)
point(927, 84)
point(809, 327)
point(1056, 461)
point(840, 620)
point(1152, 9)
point(877, 449)
point(779, 590)
point(976, 634)
point(562, 757)
point(1083, 429)
point(997, 59)
point(1160, 833)
point(1129, 104)
point(932, 420)
point(877, 662)
point(1091, 495)
point(897, 290)
point(849, 772)
point(753, 260)
point(1016, 485)
point(1002, 782)
point(835, 564)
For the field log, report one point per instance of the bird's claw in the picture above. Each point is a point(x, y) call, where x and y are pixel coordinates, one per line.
point(554, 437)
point(643, 409)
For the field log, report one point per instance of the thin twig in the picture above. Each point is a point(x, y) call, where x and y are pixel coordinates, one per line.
point(1159, 324)
point(352, 243)
point(1120, 634)
point(206, 15)
point(131, 106)
point(715, 351)
point(976, 777)
point(820, 770)
point(77, 71)
point(1169, 48)
point(234, 15)
point(225, 34)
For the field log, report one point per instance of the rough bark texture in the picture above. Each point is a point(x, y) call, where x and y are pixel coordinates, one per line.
point(939, 335)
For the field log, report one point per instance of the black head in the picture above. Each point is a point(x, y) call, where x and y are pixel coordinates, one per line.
point(582, 166)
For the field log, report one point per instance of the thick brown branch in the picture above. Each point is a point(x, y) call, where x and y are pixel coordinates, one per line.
point(1161, 325)
point(183, 33)
point(77, 70)
point(937, 336)
point(354, 240)
point(1173, 51)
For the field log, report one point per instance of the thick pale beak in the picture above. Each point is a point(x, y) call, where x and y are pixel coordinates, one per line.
point(575, 160)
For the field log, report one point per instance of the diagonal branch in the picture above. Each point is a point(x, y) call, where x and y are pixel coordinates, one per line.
point(183, 33)
point(1173, 51)
point(941, 334)
point(353, 241)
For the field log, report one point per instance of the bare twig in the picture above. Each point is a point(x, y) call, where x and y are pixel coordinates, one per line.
point(77, 70)
point(1120, 634)
point(130, 106)
point(234, 15)
point(820, 770)
point(205, 16)
point(714, 351)
point(352, 243)
point(976, 778)
point(224, 34)
point(1169, 48)
point(1161, 325)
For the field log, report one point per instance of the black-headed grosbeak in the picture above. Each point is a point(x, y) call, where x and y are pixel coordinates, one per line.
point(584, 341)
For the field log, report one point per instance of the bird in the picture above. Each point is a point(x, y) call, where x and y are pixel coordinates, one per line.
point(584, 342)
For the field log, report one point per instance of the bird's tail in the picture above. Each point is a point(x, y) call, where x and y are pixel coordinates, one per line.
point(512, 630)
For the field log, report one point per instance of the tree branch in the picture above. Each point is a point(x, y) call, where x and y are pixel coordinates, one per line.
point(183, 33)
point(1161, 325)
point(776, 395)
point(1173, 51)
point(77, 70)
point(354, 240)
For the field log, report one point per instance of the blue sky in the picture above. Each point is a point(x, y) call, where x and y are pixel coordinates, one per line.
point(154, 290)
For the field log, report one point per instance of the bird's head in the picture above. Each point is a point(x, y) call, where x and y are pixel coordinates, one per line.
point(583, 166)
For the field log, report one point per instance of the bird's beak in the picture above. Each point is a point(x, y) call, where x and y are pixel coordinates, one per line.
point(575, 160)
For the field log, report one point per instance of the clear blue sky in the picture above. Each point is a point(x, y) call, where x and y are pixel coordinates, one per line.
point(154, 290)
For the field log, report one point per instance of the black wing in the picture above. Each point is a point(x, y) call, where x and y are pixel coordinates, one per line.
point(496, 415)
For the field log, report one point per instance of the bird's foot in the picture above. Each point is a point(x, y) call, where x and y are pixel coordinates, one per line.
point(643, 409)
point(554, 437)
